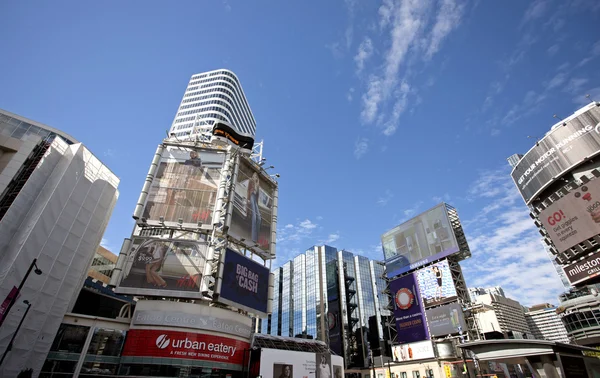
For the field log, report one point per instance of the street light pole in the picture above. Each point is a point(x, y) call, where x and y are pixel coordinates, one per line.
point(37, 271)
point(10, 344)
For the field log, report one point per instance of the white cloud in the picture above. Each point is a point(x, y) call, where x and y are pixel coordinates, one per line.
point(387, 196)
point(594, 53)
point(332, 238)
point(448, 18)
point(535, 10)
point(361, 147)
point(350, 94)
point(307, 225)
point(365, 50)
point(109, 153)
point(575, 86)
point(106, 244)
point(506, 247)
point(531, 104)
point(556, 81)
point(552, 50)
point(581, 100)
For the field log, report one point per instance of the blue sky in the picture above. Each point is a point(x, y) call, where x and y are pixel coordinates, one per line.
point(371, 111)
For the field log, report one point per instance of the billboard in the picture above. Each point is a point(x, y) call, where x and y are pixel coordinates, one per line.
point(573, 218)
point(583, 270)
point(436, 284)
point(244, 283)
point(184, 188)
point(169, 267)
point(410, 352)
point(446, 320)
point(562, 149)
point(252, 216)
point(276, 363)
point(184, 345)
point(408, 310)
point(424, 238)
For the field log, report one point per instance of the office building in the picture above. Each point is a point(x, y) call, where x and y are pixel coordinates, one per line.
point(103, 265)
point(545, 324)
point(561, 172)
point(331, 295)
point(500, 317)
point(56, 198)
point(475, 292)
point(212, 97)
point(514, 159)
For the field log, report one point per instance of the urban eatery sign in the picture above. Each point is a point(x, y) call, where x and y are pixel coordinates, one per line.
point(172, 344)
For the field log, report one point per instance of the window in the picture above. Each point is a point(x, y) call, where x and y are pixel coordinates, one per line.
point(403, 374)
point(416, 374)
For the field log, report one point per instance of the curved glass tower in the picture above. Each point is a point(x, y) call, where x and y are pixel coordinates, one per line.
point(211, 97)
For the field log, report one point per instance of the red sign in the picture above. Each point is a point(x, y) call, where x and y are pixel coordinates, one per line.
point(14, 292)
point(194, 346)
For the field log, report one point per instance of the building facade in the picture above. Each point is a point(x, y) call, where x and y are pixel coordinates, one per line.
point(212, 97)
point(331, 295)
point(556, 178)
point(500, 315)
point(545, 324)
point(103, 265)
point(56, 198)
point(579, 311)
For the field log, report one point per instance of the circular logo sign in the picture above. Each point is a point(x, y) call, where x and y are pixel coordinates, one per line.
point(162, 341)
point(404, 299)
point(331, 320)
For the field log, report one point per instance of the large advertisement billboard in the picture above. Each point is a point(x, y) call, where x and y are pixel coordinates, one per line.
point(436, 284)
point(244, 283)
point(184, 189)
point(169, 267)
point(334, 321)
point(408, 310)
point(425, 238)
point(252, 216)
point(446, 320)
point(583, 270)
point(276, 363)
point(184, 345)
point(410, 352)
point(573, 218)
point(562, 149)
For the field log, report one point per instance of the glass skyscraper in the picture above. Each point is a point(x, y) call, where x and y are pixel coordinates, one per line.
point(332, 296)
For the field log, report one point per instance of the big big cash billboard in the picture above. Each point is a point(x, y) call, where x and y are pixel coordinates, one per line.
point(424, 238)
point(253, 199)
point(408, 310)
point(563, 148)
point(244, 283)
point(575, 217)
point(184, 188)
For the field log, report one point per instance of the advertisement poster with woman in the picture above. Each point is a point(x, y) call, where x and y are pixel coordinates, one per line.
point(159, 264)
point(436, 284)
point(252, 216)
point(184, 187)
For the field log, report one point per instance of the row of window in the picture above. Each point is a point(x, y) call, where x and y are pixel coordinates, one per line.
point(231, 78)
point(218, 116)
point(233, 114)
point(236, 90)
point(237, 99)
point(582, 319)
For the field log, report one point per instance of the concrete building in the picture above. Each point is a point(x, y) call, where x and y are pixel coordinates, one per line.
point(211, 97)
point(474, 292)
point(498, 316)
point(103, 265)
point(579, 311)
point(332, 296)
point(545, 324)
point(56, 198)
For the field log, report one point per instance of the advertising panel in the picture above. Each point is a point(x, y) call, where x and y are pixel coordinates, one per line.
point(171, 267)
point(184, 345)
point(558, 152)
point(186, 320)
point(446, 320)
point(436, 284)
point(410, 352)
point(275, 363)
point(425, 238)
point(252, 216)
point(224, 131)
point(184, 187)
point(583, 270)
point(333, 308)
point(244, 283)
point(575, 217)
point(408, 310)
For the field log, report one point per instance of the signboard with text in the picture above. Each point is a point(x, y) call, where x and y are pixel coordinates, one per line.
point(185, 345)
point(408, 310)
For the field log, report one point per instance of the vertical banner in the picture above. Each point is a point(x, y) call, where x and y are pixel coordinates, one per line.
point(408, 310)
point(11, 297)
